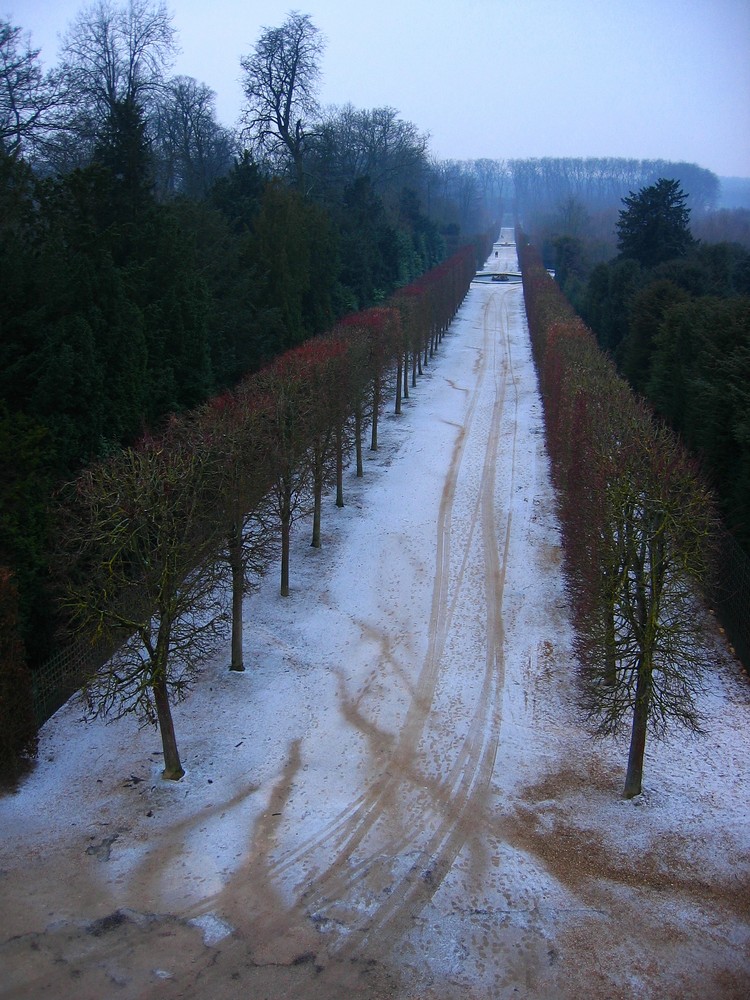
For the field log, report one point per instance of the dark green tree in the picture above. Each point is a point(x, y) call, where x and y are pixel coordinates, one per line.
point(238, 194)
point(294, 249)
point(570, 262)
point(17, 722)
point(698, 378)
point(647, 311)
point(123, 148)
point(221, 249)
point(26, 460)
point(654, 226)
point(606, 306)
point(369, 257)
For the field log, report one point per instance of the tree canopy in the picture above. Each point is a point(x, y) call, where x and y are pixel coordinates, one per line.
point(280, 79)
point(654, 226)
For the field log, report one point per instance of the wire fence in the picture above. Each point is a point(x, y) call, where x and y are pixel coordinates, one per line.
point(63, 674)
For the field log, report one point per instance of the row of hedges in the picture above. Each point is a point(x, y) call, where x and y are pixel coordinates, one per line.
point(638, 527)
point(146, 536)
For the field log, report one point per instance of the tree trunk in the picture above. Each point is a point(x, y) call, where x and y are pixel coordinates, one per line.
point(610, 652)
point(634, 776)
point(375, 413)
point(406, 374)
point(317, 502)
point(339, 466)
point(358, 440)
point(173, 769)
point(238, 587)
point(286, 530)
point(399, 380)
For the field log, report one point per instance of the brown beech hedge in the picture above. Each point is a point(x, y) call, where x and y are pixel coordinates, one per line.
point(638, 525)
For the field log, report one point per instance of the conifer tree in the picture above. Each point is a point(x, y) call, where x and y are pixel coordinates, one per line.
point(654, 225)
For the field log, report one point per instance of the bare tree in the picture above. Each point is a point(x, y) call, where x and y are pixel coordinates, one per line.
point(138, 539)
point(284, 394)
point(191, 150)
point(650, 627)
point(324, 360)
point(355, 399)
point(113, 56)
point(491, 176)
point(351, 143)
point(280, 80)
point(232, 425)
point(28, 96)
point(365, 335)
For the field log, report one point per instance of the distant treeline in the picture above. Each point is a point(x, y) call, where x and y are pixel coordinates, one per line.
point(558, 198)
point(542, 185)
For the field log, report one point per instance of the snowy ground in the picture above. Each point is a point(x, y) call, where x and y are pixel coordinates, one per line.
point(397, 799)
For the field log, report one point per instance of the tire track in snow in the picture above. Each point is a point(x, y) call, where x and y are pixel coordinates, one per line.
point(468, 779)
point(351, 826)
point(448, 804)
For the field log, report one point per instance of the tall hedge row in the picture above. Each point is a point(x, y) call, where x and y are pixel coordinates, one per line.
point(638, 525)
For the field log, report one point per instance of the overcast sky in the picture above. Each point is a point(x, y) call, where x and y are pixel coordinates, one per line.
point(663, 79)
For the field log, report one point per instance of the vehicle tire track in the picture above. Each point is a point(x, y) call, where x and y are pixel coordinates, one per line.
point(349, 829)
point(340, 892)
point(469, 778)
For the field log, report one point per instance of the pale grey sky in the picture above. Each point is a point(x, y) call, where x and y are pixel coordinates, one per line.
point(497, 78)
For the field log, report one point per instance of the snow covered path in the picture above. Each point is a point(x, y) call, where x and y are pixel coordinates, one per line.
point(397, 798)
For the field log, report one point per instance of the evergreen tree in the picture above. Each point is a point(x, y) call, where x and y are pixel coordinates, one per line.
point(17, 722)
point(295, 251)
point(654, 225)
point(124, 150)
point(369, 261)
point(647, 311)
point(26, 457)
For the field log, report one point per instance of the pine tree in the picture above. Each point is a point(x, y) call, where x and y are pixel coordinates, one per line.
point(654, 225)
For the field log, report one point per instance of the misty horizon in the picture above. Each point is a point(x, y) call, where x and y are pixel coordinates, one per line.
point(494, 79)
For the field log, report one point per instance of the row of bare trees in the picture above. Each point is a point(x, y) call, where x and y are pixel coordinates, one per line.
point(542, 184)
point(113, 73)
point(638, 526)
point(153, 540)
